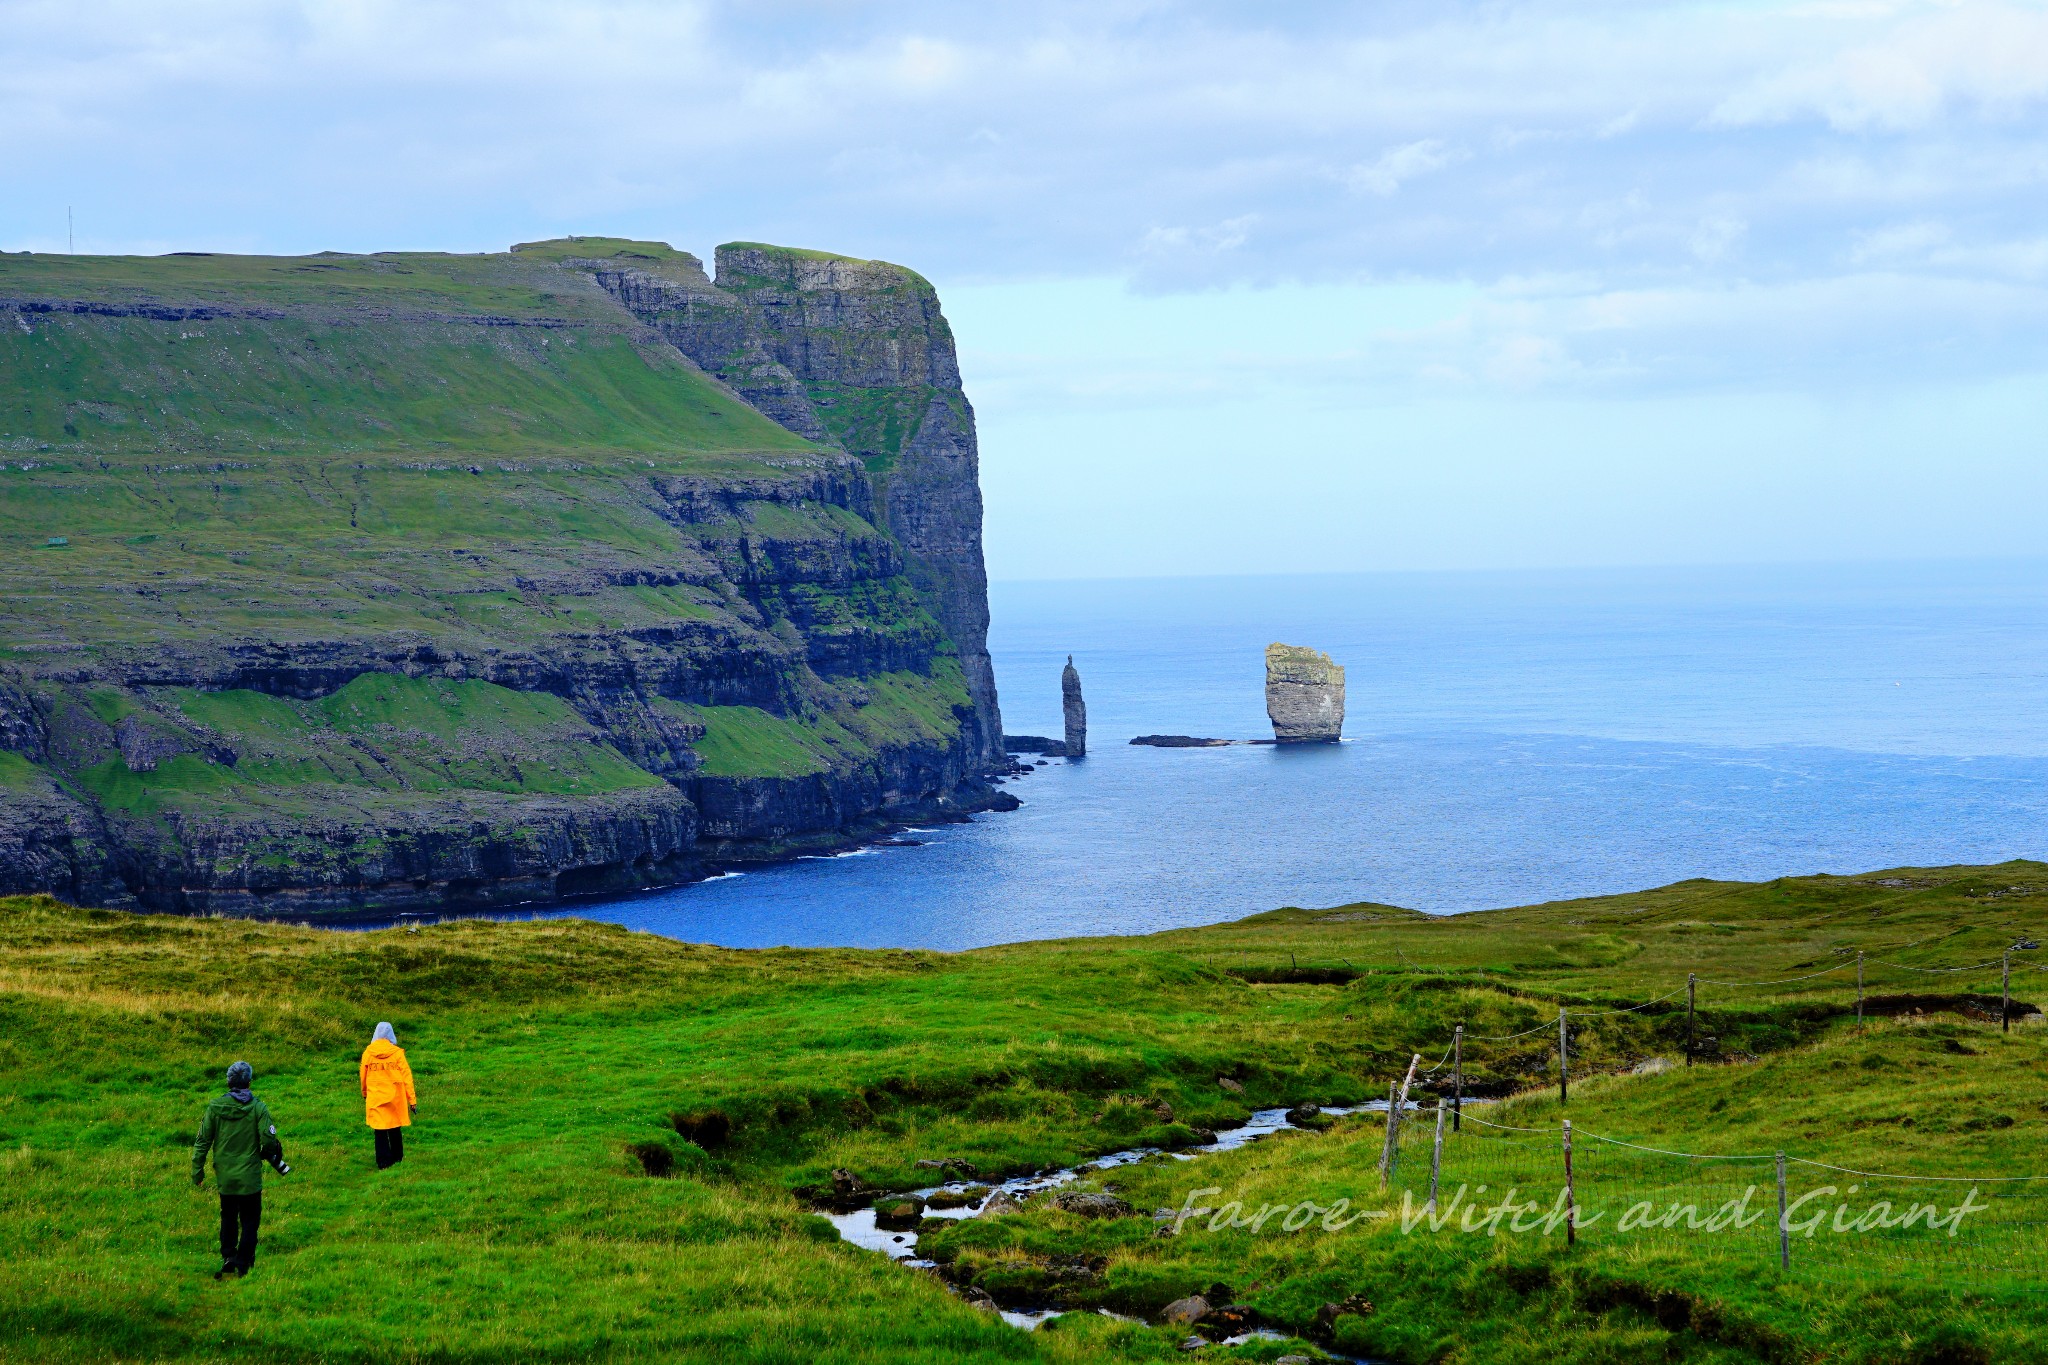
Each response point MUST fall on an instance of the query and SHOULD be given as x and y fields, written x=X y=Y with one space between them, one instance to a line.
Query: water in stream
x=858 y=1227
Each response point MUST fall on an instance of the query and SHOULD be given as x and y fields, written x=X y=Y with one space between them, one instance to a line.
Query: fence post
x=1387 y=1150
x=2005 y=994
x=1692 y=981
x=1784 y=1230
x=1859 y=992
x=1458 y=1079
x=1399 y=1110
x=1571 y=1198
x=1564 y=1064
x=1436 y=1153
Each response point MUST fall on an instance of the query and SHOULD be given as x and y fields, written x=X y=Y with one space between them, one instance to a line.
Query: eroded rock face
x=855 y=354
x=1304 y=695
x=1075 y=709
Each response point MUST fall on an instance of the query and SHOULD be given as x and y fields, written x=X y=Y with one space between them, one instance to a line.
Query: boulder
x=1327 y=1315
x=955 y=1199
x=1228 y=1084
x=1229 y=1320
x=1304 y=695
x=846 y=1193
x=1089 y=1205
x=898 y=1213
x=954 y=1166
x=1000 y=1203
x=1184 y=1312
x=1302 y=1114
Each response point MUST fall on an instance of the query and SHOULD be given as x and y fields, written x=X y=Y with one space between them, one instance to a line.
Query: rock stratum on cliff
x=1304 y=695
x=411 y=581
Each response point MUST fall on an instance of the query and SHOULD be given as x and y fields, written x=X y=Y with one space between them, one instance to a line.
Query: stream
x=859 y=1227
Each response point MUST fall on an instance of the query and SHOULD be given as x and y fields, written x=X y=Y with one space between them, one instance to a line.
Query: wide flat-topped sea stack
x=1304 y=695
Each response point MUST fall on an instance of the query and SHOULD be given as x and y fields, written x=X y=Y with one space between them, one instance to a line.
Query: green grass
x=520 y=1228
x=861 y=721
x=381 y=733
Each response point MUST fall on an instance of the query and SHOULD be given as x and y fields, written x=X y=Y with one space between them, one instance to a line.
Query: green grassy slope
x=521 y=1227
x=398 y=351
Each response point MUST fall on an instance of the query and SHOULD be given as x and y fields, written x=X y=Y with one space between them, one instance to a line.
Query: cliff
x=350 y=583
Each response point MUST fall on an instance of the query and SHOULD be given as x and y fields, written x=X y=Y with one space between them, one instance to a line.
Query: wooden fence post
x=1399 y=1111
x=1571 y=1197
x=1784 y=1228
x=1436 y=1154
x=1458 y=1079
x=1692 y=981
x=1387 y=1149
x=1564 y=1064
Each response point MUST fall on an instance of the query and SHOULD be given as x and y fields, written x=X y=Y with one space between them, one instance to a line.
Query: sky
x=1238 y=288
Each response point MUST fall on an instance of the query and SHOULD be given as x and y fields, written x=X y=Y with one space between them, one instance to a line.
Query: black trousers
x=239 y=1216
x=390 y=1146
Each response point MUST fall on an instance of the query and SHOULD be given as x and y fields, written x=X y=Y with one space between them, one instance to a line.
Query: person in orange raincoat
x=388 y=1099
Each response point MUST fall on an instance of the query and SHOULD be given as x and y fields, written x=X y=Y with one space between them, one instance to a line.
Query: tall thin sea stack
x=1304 y=695
x=1076 y=710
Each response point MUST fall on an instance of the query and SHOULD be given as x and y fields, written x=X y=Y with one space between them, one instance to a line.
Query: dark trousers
x=239 y=1215
x=390 y=1146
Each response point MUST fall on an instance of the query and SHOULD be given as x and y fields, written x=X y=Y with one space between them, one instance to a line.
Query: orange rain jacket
x=388 y=1097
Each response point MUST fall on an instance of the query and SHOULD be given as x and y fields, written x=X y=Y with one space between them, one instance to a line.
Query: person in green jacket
x=239 y=1131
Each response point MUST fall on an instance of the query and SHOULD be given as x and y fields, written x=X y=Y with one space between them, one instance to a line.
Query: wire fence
x=1491 y=1182
x=1481 y=1179
x=1453 y=1052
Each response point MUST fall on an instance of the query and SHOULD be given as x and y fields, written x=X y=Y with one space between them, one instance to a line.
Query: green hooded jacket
x=241 y=1135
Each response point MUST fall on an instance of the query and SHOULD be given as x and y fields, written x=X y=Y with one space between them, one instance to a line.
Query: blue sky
x=1315 y=286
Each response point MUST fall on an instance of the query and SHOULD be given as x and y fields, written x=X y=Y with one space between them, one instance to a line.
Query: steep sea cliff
x=351 y=583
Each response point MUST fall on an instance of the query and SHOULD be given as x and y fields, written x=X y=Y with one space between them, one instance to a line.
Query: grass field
x=523 y=1227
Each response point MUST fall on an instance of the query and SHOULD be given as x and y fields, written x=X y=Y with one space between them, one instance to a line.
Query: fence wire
x=1501 y=1183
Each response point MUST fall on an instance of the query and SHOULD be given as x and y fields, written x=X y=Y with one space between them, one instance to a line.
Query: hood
x=379 y=1049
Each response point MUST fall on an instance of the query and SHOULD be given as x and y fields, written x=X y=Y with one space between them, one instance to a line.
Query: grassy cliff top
x=743 y=265
x=345 y=354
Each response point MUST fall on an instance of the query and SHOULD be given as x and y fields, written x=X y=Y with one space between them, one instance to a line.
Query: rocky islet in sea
x=1304 y=695
x=1074 y=709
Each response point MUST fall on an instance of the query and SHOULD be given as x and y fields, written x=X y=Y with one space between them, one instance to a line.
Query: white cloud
x=1385 y=174
x=1711 y=151
x=1925 y=60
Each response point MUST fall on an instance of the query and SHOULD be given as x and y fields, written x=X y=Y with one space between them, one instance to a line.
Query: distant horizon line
x=1669 y=566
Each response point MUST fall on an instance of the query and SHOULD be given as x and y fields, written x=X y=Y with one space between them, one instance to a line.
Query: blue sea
x=1510 y=738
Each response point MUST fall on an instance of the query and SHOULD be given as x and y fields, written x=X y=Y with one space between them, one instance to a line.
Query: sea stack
x=1077 y=710
x=1304 y=695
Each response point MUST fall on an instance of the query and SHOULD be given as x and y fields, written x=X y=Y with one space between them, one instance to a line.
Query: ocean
x=1510 y=738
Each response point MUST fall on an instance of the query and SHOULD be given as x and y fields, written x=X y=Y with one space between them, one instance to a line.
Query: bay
x=1510 y=738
